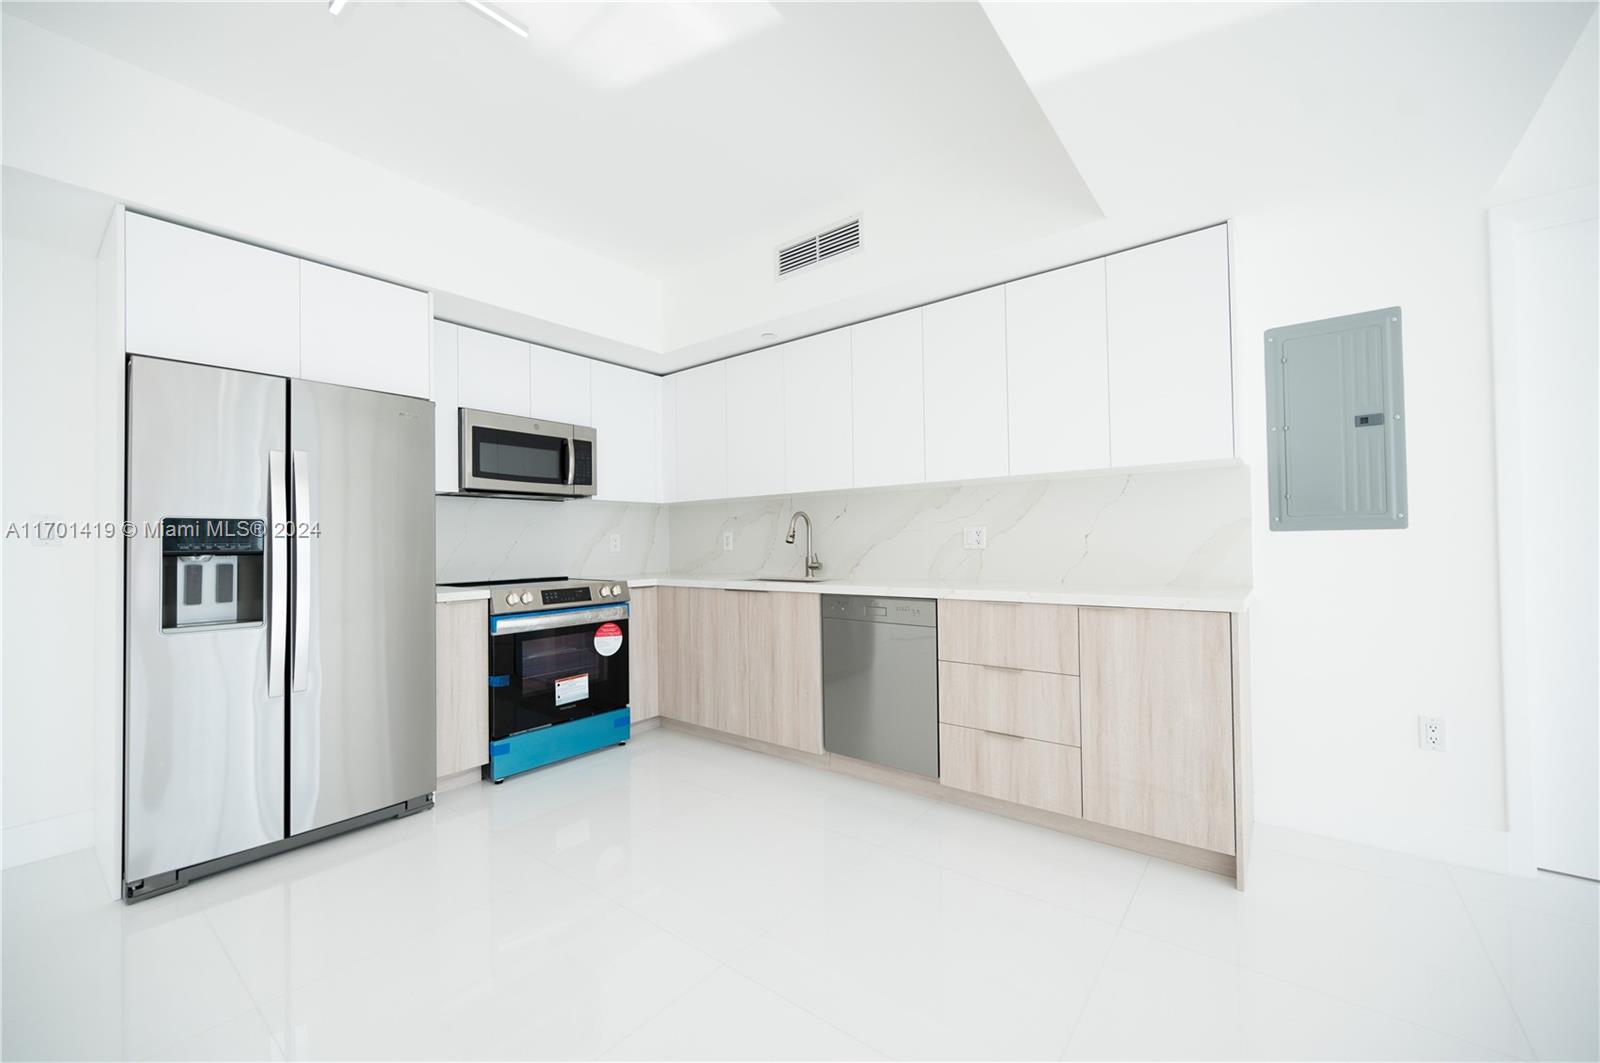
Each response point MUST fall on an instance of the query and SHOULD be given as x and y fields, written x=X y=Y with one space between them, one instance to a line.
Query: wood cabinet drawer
x=1024 y=771
x=1043 y=638
x=1040 y=705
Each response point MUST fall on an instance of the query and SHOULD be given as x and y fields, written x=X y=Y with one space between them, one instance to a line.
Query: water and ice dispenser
x=212 y=572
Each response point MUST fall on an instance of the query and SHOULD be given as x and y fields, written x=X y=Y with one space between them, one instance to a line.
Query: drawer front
x=1039 y=705
x=1021 y=770
x=1043 y=638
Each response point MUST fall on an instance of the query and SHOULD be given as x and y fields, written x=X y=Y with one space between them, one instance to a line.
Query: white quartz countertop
x=1202 y=599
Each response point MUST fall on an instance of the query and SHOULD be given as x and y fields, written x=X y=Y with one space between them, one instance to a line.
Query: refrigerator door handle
x=302 y=572
x=278 y=560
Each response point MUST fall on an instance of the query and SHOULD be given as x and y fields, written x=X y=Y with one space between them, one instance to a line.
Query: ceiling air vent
x=819 y=247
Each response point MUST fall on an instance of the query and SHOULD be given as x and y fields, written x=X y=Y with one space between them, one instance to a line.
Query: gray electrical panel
x=1336 y=442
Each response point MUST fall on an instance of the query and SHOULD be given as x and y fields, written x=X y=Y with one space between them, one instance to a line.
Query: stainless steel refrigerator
x=279 y=628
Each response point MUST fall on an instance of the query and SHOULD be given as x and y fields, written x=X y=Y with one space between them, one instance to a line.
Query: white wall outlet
x=975 y=538
x=616 y=542
x=727 y=540
x=1430 y=733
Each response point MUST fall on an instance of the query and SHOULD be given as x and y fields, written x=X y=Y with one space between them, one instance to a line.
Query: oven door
x=515 y=455
x=552 y=667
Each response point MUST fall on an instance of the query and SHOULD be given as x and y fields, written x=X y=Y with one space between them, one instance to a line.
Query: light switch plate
x=976 y=537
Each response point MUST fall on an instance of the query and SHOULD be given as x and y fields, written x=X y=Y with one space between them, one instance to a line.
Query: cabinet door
x=644 y=654
x=1171 y=364
x=699 y=664
x=560 y=385
x=964 y=386
x=364 y=333
x=816 y=402
x=462 y=678
x=701 y=411
x=1157 y=716
x=755 y=423
x=1058 y=410
x=780 y=673
x=446 y=422
x=492 y=373
x=627 y=425
x=194 y=297
x=886 y=399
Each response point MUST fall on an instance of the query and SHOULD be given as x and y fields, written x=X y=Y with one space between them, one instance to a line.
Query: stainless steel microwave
x=504 y=454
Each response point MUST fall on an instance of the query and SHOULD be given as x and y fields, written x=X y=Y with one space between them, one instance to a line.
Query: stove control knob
x=527 y=597
x=511 y=599
x=605 y=592
x=616 y=589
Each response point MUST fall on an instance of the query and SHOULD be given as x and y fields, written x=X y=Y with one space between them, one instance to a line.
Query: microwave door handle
x=572 y=459
x=278 y=566
x=302 y=573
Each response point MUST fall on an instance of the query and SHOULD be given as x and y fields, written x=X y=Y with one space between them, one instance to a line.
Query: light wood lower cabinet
x=1024 y=771
x=780 y=641
x=1042 y=638
x=1157 y=703
x=644 y=656
x=1012 y=701
x=461 y=653
x=748 y=663
x=696 y=660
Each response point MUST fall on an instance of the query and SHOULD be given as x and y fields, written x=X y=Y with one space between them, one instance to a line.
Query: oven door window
x=546 y=677
x=518 y=456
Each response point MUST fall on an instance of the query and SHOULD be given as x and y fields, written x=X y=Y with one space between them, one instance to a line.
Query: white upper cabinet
x=195 y=297
x=492 y=373
x=1170 y=357
x=1056 y=370
x=700 y=401
x=561 y=386
x=964 y=386
x=817 y=419
x=363 y=333
x=627 y=424
x=886 y=399
x=446 y=431
x=756 y=423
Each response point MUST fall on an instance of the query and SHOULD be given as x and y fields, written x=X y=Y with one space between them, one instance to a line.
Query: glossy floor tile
x=680 y=898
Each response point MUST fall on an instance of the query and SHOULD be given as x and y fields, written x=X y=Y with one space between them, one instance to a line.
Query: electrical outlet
x=1430 y=733
x=616 y=542
x=975 y=538
x=727 y=540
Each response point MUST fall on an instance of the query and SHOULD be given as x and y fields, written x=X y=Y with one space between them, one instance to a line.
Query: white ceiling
x=653 y=134
x=688 y=140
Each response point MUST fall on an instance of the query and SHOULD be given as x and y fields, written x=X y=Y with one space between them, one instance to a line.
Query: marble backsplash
x=512 y=538
x=1172 y=528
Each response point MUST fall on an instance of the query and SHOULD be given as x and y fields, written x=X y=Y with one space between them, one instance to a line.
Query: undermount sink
x=791 y=579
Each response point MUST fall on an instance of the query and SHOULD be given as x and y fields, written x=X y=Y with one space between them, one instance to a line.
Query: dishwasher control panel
x=919 y=612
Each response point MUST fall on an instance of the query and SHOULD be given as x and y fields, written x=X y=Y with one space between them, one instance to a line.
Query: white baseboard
x=29 y=842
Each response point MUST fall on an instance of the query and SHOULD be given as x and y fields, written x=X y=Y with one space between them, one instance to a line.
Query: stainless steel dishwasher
x=880 y=680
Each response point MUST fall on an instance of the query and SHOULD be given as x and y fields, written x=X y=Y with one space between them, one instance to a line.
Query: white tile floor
x=684 y=899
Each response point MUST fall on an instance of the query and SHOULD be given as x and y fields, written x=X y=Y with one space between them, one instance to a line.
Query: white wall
x=84 y=118
x=1561 y=147
x=1355 y=634
x=46 y=692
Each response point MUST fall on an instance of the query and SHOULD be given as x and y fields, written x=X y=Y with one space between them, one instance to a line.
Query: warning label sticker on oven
x=607 y=639
x=573 y=688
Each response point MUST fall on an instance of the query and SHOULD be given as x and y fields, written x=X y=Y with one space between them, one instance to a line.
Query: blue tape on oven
x=499 y=680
